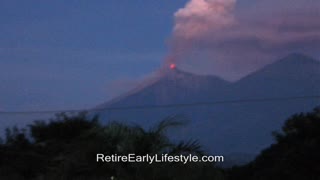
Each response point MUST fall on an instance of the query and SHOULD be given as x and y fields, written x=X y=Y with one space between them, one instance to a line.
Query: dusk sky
x=78 y=54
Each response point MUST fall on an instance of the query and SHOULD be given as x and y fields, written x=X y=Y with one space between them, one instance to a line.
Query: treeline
x=65 y=148
x=294 y=156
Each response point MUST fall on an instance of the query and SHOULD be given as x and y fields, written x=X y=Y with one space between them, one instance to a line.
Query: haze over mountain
x=225 y=128
x=172 y=86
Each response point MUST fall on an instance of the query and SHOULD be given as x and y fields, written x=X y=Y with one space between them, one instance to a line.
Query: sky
x=78 y=53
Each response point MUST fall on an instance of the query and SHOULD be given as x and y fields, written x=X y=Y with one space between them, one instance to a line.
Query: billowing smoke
x=195 y=21
x=199 y=17
x=231 y=38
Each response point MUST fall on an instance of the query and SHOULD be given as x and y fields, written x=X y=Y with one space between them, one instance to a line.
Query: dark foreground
x=66 y=148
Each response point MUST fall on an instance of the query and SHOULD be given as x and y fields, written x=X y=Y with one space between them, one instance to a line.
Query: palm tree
x=67 y=148
x=122 y=139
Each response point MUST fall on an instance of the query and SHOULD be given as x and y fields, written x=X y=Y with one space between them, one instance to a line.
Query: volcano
x=225 y=128
x=174 y=86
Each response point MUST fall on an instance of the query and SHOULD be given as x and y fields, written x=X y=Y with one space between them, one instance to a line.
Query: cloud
x=196 y=20
x=208 y=35
x=199 y=17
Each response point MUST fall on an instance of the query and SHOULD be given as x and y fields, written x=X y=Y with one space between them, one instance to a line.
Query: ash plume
x=230 y=39
x=196 y=20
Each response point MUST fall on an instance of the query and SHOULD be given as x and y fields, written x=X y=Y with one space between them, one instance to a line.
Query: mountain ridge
x=169 y=77
x=227 y=128
x=294 y=59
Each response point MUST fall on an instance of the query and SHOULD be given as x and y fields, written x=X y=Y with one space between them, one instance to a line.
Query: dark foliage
x=66 y=148
x=295 y=155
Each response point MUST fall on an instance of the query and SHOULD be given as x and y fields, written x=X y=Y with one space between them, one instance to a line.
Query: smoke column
x=195 y=21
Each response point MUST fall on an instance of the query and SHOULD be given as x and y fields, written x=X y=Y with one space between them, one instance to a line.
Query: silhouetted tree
x=295 y=155
x=66 y=148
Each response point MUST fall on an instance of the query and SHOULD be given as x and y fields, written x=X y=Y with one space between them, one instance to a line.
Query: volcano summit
x=240 y=126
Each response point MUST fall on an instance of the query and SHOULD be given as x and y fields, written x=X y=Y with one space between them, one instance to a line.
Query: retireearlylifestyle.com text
x=133 y=158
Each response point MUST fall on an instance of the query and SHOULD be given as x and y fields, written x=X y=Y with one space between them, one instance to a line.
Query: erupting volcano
x=173 y=66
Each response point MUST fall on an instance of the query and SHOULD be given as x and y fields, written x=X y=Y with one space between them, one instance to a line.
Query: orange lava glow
x=172 y=66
